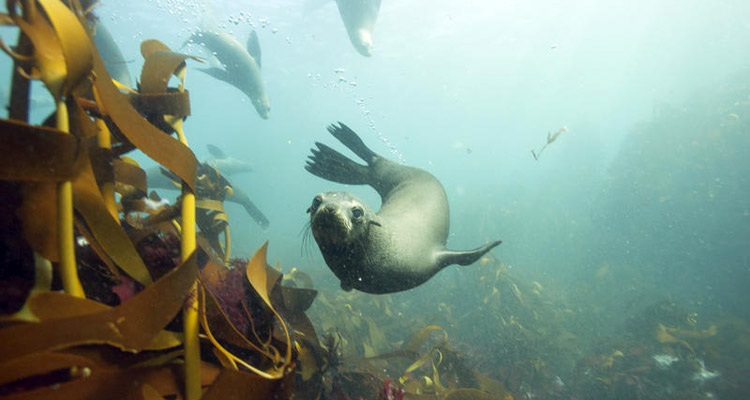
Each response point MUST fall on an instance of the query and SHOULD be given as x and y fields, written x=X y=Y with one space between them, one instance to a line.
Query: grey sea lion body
x=359 y=17
x=241 y=66
x=158 y=180
x=399 y=247
x=108 y=49
x=226 y=164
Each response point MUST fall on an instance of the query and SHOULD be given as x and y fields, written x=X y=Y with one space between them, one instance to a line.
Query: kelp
x=127 y=337
x=120 y=335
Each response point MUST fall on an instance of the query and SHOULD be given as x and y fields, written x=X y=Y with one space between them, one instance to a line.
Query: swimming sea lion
x=241 y=66
x=359 y=18
x=158 y=180
x=117 y=66
x=226 y=164
x=399 y=247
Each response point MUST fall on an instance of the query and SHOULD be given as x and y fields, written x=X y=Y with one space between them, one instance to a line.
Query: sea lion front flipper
x=351 y=140
x=329 y=164
x=253 y=47
x=215 y=151
x=217 y=73
x=241 y=198
x=466 y=257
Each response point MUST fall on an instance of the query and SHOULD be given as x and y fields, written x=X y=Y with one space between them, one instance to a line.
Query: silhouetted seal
x=359 y=17
x=399 y=247
x=240 y=66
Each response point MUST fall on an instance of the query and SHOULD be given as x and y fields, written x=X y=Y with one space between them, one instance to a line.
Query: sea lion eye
x=357 y=213
x=315 y=204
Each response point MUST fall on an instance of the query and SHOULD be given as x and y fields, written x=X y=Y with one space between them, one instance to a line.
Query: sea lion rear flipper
x=466 y=257
x=329 y=164
x=351 y=140
x=253 y=47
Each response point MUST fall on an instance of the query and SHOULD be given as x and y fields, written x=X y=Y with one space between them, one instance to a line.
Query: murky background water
x=637 y=215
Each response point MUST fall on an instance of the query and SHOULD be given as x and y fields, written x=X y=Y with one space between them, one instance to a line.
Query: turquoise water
x=638 y=214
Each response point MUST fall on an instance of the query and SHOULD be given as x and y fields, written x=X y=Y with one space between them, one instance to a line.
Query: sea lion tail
x=351 y=140
x=329 y=164
x=465 y=257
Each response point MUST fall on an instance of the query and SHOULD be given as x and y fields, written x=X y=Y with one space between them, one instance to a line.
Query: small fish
x=551 y=137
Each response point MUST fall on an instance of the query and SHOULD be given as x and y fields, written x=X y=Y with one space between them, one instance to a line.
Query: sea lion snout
x=263 y=106
x=364 y=43
x=338 y=217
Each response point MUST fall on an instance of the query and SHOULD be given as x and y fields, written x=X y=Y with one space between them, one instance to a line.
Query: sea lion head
x=339 y=218
x=262 y=105
x=362 y=41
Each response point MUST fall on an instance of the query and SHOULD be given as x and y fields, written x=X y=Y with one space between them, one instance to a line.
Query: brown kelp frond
x=330 y=343
x=18 y=57
x=86 y=207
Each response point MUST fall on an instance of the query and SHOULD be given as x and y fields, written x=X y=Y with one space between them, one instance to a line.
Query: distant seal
x=227 y=165
x=399 y=247
x=359 y=17
x=241 y=66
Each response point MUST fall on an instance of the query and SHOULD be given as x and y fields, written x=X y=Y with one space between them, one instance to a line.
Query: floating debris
x=664 y=361
x=704 y=374
x=551 y=137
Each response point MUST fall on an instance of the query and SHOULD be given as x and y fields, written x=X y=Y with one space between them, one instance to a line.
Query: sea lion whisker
x=306 y=249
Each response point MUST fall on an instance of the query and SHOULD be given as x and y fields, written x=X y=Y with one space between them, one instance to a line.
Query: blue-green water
x=643 y=203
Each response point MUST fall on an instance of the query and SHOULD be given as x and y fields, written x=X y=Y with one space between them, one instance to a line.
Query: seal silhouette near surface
x=240 y=66
x=399 y=247
x=359 y=17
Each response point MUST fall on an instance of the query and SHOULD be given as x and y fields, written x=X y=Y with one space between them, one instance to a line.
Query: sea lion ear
x=376 y=221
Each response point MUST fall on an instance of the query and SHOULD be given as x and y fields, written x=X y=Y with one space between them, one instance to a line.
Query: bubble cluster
x=187 y=11
x=341 y=83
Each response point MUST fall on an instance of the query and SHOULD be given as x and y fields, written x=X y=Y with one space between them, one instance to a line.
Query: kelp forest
x=116 y=298
x=108 y=292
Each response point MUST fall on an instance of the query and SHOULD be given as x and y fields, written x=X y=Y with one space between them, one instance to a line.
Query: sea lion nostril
x=330 y=207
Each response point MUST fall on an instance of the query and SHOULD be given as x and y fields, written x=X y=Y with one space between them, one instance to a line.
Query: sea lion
x=226 y=164
x=241 y=67
x=114 y=61
x=159 y=180
x=359 y=17
x=399 y=247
